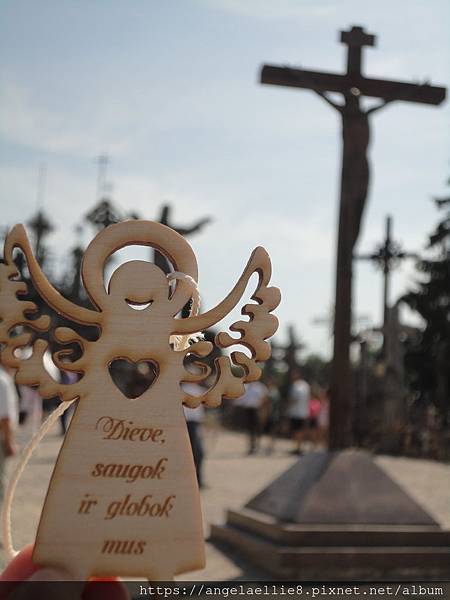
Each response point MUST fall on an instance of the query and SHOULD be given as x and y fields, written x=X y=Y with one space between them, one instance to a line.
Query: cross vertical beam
x=388 y=253
x=355 y=39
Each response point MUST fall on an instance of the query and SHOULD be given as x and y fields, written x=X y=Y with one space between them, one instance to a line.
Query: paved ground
x=232 y=478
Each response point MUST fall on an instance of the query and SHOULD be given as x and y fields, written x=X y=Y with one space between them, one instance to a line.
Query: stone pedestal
x=337 y=516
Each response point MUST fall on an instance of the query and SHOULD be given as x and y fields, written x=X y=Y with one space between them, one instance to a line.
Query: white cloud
x=273 y=9
x=125 y=126
x=25 y=122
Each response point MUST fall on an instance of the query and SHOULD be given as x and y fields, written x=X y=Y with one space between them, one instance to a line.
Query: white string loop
x=20 y=467
x=180 y=342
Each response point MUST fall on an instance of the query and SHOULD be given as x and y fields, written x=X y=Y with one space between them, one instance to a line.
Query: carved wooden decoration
x=123 y=498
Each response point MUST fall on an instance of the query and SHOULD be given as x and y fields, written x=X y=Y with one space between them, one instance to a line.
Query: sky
x=169 y=91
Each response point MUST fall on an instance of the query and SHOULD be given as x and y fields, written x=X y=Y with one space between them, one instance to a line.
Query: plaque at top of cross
x=353 y=189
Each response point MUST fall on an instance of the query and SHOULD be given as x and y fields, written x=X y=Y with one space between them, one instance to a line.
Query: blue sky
x=169 y=90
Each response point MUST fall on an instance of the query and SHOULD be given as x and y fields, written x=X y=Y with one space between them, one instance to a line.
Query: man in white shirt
x=8 y=420
x=298 y=409
x=250 y=403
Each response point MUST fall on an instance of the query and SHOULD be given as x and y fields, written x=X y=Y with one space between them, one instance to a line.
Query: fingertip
x=21 y=567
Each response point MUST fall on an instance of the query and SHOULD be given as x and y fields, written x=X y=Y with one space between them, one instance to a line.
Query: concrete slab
x=339 y=488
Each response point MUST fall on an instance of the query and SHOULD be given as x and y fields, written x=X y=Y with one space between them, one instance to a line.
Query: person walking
x=274 y=418
x=251 y=404
x=298 y=409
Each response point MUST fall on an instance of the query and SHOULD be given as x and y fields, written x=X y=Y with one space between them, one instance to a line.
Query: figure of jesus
x=355 y=162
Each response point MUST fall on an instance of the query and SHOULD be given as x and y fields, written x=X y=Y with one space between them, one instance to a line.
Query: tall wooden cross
x=387 y=256
x=353 y=191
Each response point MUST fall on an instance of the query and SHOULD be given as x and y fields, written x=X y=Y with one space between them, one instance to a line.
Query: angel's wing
x=17 y=238
x=19 y=325
x=259 y=262
x=16 y=313
x=253 y=332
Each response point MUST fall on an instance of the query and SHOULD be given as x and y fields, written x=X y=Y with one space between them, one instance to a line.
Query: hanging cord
x=20 y=467
x=180 y=342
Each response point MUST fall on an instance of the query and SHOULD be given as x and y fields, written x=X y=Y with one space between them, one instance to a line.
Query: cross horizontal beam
x=377 y=256
x=332 y=82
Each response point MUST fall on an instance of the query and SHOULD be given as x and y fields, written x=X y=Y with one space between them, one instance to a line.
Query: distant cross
x=354 y=187
x=103 y=215
x=40 y=227
x=292 y=349
x=164 y=219
x=75 y=283
x=387 y=256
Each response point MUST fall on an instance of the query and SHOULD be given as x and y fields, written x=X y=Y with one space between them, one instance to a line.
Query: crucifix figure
x=164 y=219
x=387 y=256
x=353 y=191
x=355 y=163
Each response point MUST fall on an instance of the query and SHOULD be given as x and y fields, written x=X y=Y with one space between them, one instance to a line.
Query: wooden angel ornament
x=123 y=498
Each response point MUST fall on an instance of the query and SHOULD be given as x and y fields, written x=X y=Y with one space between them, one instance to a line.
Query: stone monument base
x=337 y=516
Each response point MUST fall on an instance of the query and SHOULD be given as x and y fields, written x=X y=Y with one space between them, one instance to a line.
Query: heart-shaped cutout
x=133 y=378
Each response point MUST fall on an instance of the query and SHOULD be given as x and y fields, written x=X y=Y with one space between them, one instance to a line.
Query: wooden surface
x=123 y=498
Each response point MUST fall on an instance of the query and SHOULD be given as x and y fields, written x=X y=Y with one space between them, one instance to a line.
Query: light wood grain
x=123 y=498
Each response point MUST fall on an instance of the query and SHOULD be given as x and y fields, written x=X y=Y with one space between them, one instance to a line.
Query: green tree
x=428 y=360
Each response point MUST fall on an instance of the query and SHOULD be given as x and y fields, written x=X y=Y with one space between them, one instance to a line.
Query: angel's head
x=137 y=283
